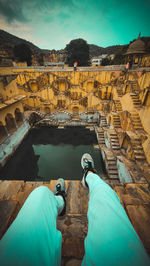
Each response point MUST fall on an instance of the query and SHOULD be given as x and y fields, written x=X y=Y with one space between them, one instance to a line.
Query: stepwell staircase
x=103 y=121
x=137 y=149
x=100 y=136
x=136 y=101
x=111 y=165
x=134 y=86
x=118 y=105
x=116 y=120
x=114 y=140
x=119 y=91
x=136 y=121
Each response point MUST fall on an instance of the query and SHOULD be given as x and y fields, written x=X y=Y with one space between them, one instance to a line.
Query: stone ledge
x=8 y=212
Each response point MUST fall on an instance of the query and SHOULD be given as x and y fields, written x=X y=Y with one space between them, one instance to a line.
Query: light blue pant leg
x=111 y=238
x=33 y=238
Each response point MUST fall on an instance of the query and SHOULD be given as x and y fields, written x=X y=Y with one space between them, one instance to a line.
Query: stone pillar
x=22 y=116
x=14 y=122
x=6 y=131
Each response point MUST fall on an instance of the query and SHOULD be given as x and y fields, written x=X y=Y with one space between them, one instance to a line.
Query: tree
x=23 y=53
x=105 y=61
x=77 y=50
x=40 y=59
x=119 y=56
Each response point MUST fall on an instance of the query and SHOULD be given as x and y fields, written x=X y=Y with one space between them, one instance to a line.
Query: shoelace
x=58 y=187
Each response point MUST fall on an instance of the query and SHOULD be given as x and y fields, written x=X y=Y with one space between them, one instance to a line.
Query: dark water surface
x=48 y=153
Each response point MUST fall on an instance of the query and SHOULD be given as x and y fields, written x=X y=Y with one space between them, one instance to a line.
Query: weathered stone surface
x=13 y=189
x=74 y=224
x=138 y=191
x=133 y=194
x=22 y=195
x=8 y=212
x=140 y=217
x=73 y=262
x=121 y=192
x=112 y=183
x=74 y=230
x=3 y=188
x=77 y=198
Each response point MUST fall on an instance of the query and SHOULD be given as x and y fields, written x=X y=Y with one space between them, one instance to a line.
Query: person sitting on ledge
x=33 y=238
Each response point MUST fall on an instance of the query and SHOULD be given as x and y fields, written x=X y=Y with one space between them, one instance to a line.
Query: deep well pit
x=50 y=152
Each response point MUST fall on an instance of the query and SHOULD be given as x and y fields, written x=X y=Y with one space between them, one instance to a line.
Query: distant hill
x=97 y=50
x=8 y=41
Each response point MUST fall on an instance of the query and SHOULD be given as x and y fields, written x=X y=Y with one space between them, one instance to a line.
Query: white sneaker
x=87 y=164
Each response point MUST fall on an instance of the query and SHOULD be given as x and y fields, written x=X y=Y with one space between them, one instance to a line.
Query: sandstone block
x=140 y=217
x=77 y=198
x=74 y=230
x=8 y=212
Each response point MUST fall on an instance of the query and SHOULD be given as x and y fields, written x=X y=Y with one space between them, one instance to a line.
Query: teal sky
x=51 y=24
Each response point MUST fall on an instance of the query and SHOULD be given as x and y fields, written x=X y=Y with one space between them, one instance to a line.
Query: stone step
x=114 y=140
x=115 y=176
x=113 y=171
x=110 y=168
x=101 y=140
x=139 y=152
x=115 y=145
x=112 y=162
x=137 y=124
x=136 y=141
x=136 y=120
x=136 y=101
x=139 y=157
x=135 y=147
x=138 y=144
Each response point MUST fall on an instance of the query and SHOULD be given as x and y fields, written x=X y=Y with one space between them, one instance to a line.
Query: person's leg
x=33 y=238
x=111 y=238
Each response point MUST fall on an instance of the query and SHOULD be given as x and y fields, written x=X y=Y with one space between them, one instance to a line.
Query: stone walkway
x=135 y=198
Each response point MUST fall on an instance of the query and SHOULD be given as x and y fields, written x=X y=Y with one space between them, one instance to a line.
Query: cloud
x=15 y=26
x=12 y=10
x=53 y=23
x=25 y=10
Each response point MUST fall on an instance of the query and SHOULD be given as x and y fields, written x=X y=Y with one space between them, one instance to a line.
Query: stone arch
x=127 y=147
x=47 y=109
x=62 y=84
x=75 y=109
x=10 y=122
x=33 y=85
x=125 y=143
x=3 y=132
x=18 y=116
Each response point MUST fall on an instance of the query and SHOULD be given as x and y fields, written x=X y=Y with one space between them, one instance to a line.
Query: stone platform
x=135 y=198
